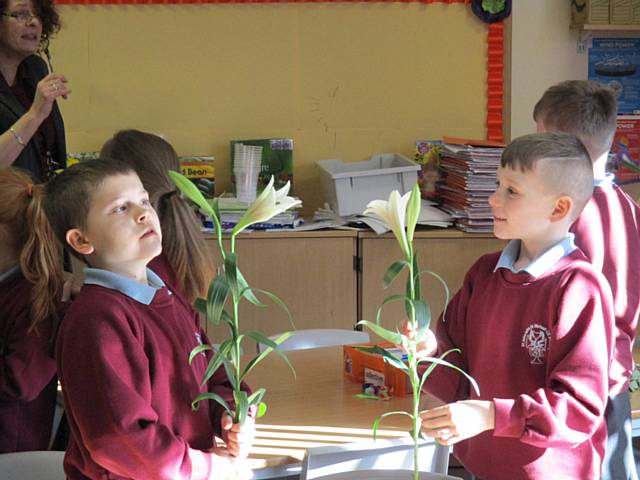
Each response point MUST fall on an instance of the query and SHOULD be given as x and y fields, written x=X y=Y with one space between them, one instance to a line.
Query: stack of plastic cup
x=247 y=163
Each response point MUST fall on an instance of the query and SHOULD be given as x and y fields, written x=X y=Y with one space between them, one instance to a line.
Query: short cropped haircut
x=562 y=159
x=69 y=194
x=584 y=108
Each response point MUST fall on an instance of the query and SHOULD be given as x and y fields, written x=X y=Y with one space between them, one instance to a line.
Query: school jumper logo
x=536 y=341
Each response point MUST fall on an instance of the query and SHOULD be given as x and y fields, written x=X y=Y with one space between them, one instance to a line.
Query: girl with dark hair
x=32 y=130
x=184 y=263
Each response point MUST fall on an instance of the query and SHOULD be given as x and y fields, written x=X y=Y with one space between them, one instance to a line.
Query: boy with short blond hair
x=123 y=345
x=608 y=232
x=534 y=324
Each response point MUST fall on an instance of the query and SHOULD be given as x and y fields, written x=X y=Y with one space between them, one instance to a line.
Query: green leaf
x=200 y=305
x=216 y=299
x=211 y=396
x=440 y=361
x=248 y=293
x=187 y=187
x=231 y=273
x=388 y=335
x=256 y=397
x=199 y=349
x=266 y=352
x=262 y=409
x=231 y=374
x=393 y=271
x=388 y=414
x=278 y=302
x=389 y=299
x=242 y=405
x=217 y=360
x=413 y=211
x=386 y=355
x=367 y=396
x=423 y=317
x=447 y=292
x=417 y=288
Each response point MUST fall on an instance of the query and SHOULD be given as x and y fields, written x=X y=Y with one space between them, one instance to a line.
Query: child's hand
x=428 y=346
x=458 y=421
x=239 y=438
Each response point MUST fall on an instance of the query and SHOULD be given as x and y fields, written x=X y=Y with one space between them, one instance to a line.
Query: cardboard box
x=590 y=11
x=626 y=149
x=370 y=370
x=201 y=171
x=624 y=12
x=277 y=161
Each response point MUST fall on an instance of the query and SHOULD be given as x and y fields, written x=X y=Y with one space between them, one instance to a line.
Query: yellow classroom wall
x=343 y=80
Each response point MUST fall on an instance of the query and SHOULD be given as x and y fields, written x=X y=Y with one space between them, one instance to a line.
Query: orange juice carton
x=376 y=376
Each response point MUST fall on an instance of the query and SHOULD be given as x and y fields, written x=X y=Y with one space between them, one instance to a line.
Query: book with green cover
x=277 y=160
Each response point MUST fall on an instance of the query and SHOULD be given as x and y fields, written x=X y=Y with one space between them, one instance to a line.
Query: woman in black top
x=31 y=127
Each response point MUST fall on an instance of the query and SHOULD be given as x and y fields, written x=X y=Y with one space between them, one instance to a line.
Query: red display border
x=495 y=46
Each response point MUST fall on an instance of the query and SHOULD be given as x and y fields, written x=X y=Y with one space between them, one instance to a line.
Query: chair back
x=41 y=465
x=393 y=454
x=319 y=337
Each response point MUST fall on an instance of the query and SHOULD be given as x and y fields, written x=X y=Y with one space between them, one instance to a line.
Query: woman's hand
x=48 y=90
x=239 y=438
x=458 y=421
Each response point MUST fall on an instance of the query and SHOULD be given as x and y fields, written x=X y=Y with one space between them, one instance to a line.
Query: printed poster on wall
x=616 y=62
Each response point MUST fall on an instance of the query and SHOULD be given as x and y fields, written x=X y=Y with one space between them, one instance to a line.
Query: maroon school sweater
x=540 y=350
x=128 y=388
x=608 y=232
x=27 y=372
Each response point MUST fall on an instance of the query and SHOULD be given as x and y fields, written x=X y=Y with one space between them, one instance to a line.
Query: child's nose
x=493 y=199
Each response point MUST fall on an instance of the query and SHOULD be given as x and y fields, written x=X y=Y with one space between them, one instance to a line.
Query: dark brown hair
x=563 y=160
x=583 y=108
x=69 y=194
x=182 y=240
x=40 y=254
x=48 y=15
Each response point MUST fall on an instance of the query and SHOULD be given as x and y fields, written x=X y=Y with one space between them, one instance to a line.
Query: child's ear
x=79 y=242
x=562 y=208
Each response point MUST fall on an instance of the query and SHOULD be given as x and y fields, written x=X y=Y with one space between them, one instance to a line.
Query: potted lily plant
x=401 y=214
x=227 y=290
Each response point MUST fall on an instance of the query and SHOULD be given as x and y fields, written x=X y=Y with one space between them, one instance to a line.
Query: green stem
x=235 y=335
x=413 y=367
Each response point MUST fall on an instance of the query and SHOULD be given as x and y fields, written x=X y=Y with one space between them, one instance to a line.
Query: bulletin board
x=343 y=79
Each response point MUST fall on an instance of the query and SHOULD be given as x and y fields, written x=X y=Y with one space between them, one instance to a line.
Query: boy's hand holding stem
x=453 y=422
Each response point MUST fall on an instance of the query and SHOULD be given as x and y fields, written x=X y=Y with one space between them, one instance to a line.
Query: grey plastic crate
x=349 y=187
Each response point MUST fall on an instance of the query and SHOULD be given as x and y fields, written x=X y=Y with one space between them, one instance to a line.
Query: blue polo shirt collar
x=9 y=273
x=138 y=291
x=605 y=181
x=541 y=264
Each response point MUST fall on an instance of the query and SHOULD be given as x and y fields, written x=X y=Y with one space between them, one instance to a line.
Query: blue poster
x=616 y=62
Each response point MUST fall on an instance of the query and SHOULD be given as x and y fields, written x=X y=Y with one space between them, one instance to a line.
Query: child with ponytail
x=185 y=263
x=31 y=285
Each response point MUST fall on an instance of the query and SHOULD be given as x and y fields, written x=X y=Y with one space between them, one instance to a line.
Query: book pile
x=232 y=210
x=470 y=168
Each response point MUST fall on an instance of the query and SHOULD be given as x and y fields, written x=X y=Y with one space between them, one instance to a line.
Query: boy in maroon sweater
x=608 y=233
x=123 y=345
x=534 y=324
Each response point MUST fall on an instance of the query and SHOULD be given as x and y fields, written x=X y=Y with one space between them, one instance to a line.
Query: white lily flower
x=392 y=212
x=269 y=203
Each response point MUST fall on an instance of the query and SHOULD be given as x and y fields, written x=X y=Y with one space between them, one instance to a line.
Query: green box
x=277 y=160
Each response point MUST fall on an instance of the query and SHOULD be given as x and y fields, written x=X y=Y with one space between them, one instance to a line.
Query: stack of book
x=470 y=168
x=232 y=210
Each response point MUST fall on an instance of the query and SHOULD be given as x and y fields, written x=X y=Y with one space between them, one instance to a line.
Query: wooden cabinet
x=449 y=253
x=315 y=274
x=311 y=272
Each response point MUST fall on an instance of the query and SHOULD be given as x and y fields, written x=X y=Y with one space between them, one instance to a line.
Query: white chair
x=319 y=337
x=385 y=458
x=41 y=465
